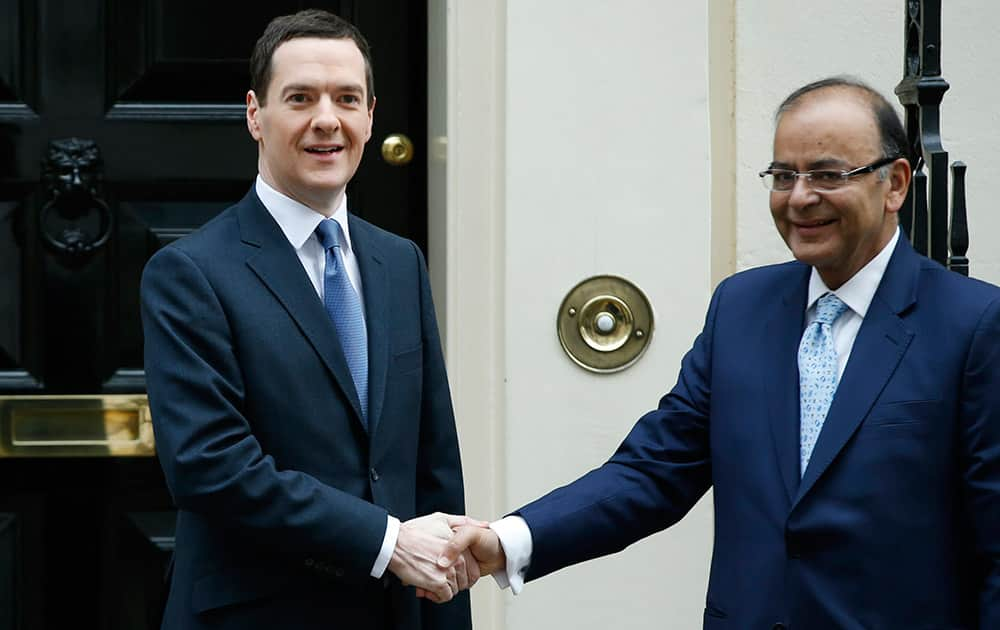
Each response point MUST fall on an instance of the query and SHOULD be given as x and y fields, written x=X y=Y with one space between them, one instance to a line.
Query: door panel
x=153 y=92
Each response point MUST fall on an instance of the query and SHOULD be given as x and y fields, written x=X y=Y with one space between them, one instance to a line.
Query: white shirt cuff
x=388 y=546
x=515 y=538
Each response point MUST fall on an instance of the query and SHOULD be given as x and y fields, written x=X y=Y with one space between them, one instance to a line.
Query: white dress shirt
x=857 y=293
x=298 y=222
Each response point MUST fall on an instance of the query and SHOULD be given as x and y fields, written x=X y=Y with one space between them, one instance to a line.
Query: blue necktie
x=818 y=374
x=344 y=308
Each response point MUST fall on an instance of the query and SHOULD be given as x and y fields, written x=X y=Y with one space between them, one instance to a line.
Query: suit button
x=309 y=562
x=374 y=474
x=794 y=549
x=338 y=572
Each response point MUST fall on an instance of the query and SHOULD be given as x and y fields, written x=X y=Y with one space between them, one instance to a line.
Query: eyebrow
x=296 y=87
x=351 y=87
x=308 y=87
x=823 y=163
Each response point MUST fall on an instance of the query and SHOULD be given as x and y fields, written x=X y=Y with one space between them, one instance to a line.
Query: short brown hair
x=308 y=23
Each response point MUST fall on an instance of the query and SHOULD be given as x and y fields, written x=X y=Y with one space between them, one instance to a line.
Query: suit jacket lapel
x=779 y=348
x=376 y=290
x=881 y=342
x=278 y=267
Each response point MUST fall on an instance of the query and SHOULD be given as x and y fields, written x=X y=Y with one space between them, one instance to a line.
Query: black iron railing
x=924 y=216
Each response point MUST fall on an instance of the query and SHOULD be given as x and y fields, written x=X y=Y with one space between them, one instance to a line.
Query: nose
x=326 y=119
x=802 y=194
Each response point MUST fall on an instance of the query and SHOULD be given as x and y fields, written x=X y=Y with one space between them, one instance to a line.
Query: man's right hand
x=484 y=545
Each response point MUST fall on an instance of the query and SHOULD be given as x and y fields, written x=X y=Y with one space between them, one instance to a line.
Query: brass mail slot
x=76 y=426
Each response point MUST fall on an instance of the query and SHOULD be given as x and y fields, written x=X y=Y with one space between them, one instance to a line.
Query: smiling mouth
x=325 y=150
x=814 y=224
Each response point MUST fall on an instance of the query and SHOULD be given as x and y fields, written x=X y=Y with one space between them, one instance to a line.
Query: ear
x=253 y=113
x=899 y=183
x=371 y=119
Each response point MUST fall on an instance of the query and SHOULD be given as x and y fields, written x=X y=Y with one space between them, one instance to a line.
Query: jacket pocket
x=908 y=416
x=711 y=610
x=714 y=619
x=235 y=586
x=408 y=360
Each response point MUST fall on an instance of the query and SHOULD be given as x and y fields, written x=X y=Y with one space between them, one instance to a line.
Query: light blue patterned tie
x=344 y=307
x=818 y=374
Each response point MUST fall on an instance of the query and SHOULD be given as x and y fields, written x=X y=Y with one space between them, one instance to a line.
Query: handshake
x=442 y=555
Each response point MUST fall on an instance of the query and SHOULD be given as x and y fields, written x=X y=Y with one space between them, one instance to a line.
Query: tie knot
x=829 y=308
x=329 y=233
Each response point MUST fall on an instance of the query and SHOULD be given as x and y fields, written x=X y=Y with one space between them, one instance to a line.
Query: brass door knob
x=397 y=149
x=605 y=324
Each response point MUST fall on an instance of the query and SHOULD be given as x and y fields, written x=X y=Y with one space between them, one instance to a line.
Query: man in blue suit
x=296 y=379
x=845 y=408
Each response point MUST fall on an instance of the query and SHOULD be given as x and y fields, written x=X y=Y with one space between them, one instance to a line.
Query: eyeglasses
x=783 y=180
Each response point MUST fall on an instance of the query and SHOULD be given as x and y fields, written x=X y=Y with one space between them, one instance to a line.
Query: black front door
x=121 y=129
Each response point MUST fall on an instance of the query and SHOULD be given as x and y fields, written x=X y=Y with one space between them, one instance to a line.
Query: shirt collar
x=298 y=221
x=858 y=292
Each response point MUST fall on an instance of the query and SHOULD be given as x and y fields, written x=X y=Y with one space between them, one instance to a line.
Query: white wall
x=607 y=139
x=971 y=120
x=466 y=210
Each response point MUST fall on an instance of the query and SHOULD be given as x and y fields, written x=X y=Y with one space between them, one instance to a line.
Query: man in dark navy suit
x=296 y=379
x=844 y=407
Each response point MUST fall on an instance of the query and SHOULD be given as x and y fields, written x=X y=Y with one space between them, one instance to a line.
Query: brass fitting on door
x=109 y=425
x=605 y=323
x=397 y=149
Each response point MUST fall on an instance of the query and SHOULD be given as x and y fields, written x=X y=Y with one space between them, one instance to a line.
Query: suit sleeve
x=439 y=466
x=212 y=462
x=657 y=474
x=980 y=436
